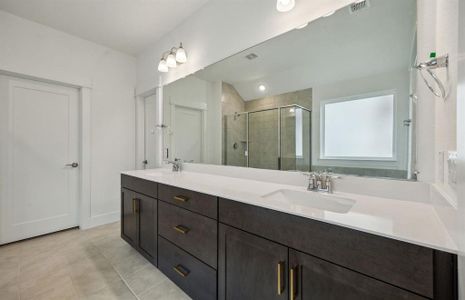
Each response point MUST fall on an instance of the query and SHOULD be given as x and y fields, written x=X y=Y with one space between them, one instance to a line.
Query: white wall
x=397 y=81
x=40 y=52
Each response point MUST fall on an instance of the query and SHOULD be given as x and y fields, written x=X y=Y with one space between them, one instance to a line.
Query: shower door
x=295 y=138
x=263 y=137
x=235 y=140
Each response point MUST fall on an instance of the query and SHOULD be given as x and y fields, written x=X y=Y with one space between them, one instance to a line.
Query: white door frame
x=194 y=106
x=140 y=127
x=84 y=87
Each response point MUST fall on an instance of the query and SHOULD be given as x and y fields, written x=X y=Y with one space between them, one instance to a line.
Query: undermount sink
x=321 y=201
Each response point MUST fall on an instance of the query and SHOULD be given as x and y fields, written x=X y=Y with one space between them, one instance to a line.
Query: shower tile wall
x=234 y=127
x=263 y=139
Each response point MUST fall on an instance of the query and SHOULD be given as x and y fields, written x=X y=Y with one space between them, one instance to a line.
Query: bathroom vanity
x=218 y=241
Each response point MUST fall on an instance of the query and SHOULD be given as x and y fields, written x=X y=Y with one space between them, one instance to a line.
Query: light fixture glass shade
x=285 y=5
x=162 y=66
x=181 y=55
x=171 y=60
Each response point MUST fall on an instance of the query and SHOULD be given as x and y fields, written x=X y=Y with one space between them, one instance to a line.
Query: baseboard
x=101 y=219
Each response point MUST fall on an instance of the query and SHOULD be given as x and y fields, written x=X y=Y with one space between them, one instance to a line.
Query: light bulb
x=262 y=87
x=162 y=66
x=181 y=56
x=285 y=5
x=171 y=60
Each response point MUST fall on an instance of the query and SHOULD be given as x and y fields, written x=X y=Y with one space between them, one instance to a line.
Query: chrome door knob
x=73 y=165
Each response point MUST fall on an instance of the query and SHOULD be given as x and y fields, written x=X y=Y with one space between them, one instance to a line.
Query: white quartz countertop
x=409 y=221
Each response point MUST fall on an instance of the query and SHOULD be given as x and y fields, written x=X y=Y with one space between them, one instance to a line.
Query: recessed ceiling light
x=262 y=88
x=285 y=5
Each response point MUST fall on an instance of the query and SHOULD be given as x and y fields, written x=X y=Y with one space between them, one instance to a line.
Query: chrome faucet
x=320 y=181
x=177 y=164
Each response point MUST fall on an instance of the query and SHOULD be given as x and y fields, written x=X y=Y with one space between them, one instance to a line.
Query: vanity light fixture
x=181 y=56
x=285 y=5
x=162 y=66
x=171 y=58
x=262 y=87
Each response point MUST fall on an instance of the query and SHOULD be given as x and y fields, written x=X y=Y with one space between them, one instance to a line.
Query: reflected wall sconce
x=171 y=58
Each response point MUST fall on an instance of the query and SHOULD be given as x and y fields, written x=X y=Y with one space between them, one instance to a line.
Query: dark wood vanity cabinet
x=139 y=220
x=313 y=278
x=217 y=248
x=334 y=262
x=251 y=267
x=128 y=217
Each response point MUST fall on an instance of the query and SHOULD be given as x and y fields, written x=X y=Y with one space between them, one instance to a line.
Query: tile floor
x=81 y=264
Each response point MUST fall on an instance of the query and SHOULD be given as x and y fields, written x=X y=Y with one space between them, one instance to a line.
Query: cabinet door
x=251 y=267
x=129 y=230
x=313 y=278
x=147 y=208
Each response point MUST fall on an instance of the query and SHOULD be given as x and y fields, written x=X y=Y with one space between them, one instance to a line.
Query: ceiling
x=340 y=47
x=126 y=25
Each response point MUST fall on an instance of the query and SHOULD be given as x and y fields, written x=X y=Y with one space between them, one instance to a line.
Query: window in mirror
x=360 y=128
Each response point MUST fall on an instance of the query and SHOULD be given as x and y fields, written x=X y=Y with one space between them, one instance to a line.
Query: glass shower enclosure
x=277 y=139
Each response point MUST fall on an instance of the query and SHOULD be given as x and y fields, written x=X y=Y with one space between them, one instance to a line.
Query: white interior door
x=150 y=127
x=188 y=134
x=41 y=194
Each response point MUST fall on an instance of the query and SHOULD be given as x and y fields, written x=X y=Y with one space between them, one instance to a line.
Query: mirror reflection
x=334 y=95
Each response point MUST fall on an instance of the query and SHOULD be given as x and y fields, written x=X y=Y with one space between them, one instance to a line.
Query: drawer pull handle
x=135 y=209
x=181 y=198
x=292 y=283
x=181 y=228
x=280 y=279
x=181 y=270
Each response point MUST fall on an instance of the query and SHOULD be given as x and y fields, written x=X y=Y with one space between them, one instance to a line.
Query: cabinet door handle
x=135 y=208
x=292 y=282
x=280 y=270
x=181 y=228
x=181 y=270
x=181 y=198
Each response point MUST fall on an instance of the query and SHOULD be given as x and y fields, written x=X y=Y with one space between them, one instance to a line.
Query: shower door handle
x=279 y=163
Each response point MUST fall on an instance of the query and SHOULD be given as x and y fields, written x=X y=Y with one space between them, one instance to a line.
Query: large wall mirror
x=334 y=95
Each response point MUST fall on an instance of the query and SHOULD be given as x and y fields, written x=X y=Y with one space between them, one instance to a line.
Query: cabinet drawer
x=201 y=203
x=192 y=232
x=196 y=278
x=139 y=185
x=401 y=264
